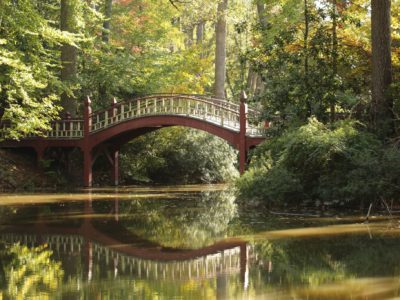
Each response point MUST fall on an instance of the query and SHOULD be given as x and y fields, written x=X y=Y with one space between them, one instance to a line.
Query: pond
x=188 y=242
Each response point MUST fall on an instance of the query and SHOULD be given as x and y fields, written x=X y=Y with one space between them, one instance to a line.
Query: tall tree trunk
x=220 y=50
x=251 y=81
x=200 y=32
x=106 y=40
x=381 y=67
x=107 y=21
x=68 y=54
x=261 y=15
x=306 y=55
x=189 y=36
x=334 y=59
x=254 y=78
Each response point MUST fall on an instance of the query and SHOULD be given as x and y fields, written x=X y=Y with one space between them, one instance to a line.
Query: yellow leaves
x=32 y=272
x=293 y=48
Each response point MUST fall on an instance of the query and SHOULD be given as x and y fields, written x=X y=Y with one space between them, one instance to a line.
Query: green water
x=188 y=242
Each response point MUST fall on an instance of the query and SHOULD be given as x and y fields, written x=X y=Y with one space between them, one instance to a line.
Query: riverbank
x=20 y=172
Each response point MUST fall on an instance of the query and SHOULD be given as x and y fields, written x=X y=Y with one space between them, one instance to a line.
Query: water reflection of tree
x=57 y=212
x=28 y=272
x=313 y=262
x=191 y=220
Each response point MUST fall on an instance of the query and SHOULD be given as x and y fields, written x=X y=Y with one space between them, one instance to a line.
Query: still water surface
x=188 y=242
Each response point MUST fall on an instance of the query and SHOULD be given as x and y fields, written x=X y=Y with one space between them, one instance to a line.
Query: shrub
x=333 y=164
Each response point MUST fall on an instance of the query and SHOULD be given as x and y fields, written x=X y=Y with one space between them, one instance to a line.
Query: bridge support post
x=244 y=266
x=242 y=133
x=86 y=148
x=115 y=167
x=115 y=152
x=87 y=168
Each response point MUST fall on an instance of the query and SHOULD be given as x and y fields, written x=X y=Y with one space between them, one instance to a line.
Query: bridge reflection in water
x=228 y=261
x=131 y=255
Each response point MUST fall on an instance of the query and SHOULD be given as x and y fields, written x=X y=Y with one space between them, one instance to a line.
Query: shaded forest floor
x=20 y=172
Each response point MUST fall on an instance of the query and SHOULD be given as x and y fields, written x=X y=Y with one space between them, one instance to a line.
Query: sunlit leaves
x=30 y=272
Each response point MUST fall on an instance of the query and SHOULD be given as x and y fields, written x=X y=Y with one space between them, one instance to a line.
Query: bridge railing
x=69 y=128
x=214 y=112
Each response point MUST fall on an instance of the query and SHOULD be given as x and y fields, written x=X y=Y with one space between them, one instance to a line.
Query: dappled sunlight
x=109 y=194
x=8 y=199
x=380 y=228
x=354 y=289
x=169 y=188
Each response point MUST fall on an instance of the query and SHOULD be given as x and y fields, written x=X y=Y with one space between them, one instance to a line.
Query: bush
x=332 y=164
x=178 y=155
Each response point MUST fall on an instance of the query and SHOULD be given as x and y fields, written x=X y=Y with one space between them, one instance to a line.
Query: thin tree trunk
x=261 y=15
x=306 y=67
x=107 y=21
x=189 y=36
x=68 y=55
x=220 y=50
x=250 y=81
x=200 y=32
x=106 y=40
x=254 y=79
x=381 y=67
x=334 y=58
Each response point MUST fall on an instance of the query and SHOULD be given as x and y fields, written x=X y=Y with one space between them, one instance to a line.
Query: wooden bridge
x=103 y=132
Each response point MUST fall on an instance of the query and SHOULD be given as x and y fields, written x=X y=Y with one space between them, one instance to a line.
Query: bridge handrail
x=207 y=97
x=222 y=102
x=154 y=105
x=71 y=128
x=177 y=96
x=252 y=112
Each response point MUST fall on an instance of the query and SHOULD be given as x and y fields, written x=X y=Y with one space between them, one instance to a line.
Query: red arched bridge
x=105 y=131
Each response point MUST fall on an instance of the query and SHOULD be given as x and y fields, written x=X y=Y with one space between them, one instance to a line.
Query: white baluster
x=122 y=112
x=57 y=129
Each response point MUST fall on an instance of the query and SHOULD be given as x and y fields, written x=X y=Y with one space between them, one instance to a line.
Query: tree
x=220 y=50
x=29 y=66
x=381 y=67
x=68 y=23
x=107 y=21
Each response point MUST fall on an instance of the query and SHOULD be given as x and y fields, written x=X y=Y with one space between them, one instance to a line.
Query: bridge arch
x=130 y=129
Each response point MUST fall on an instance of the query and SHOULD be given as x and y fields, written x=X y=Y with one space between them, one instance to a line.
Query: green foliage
x=306 y=76
x=29 y=86
x=337 y=164
x=178 y=155
x=29 y=272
